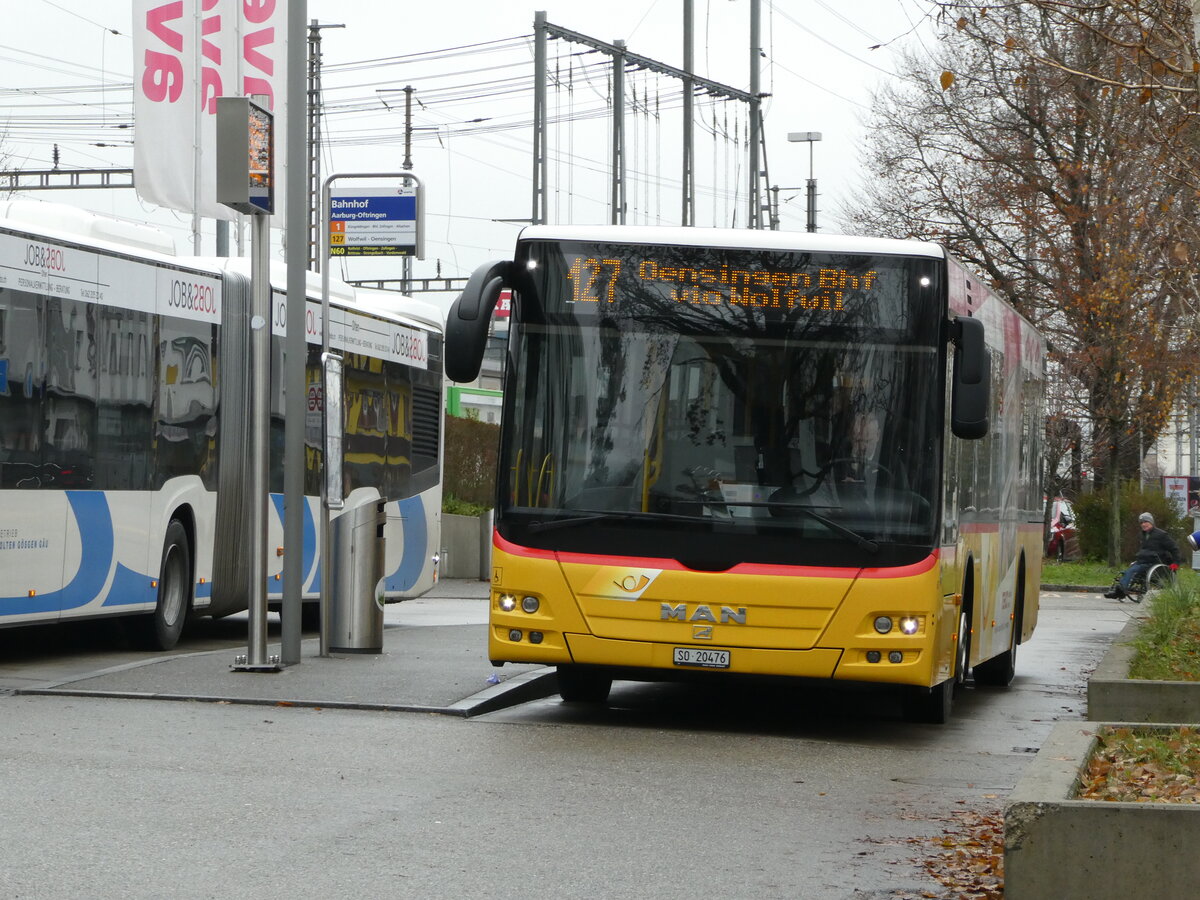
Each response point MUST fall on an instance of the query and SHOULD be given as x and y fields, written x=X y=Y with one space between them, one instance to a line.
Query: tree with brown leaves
x=1066 y=191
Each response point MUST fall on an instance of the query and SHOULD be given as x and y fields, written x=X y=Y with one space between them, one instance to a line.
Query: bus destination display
x=595 y=280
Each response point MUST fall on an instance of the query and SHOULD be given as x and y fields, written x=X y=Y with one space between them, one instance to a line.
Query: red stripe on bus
x=917 y=568
x=516 y=550
x=668 y=565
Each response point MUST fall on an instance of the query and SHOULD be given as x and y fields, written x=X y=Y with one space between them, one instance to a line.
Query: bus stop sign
x=377 y=222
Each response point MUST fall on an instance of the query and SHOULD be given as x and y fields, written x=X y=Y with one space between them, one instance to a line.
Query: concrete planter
x=1115 y=697
x=1057 y=847
x=466 y=549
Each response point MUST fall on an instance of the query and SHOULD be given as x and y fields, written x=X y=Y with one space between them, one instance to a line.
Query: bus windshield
x=719 y=406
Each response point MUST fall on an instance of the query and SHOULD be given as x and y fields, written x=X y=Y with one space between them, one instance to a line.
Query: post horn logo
x=631 y=584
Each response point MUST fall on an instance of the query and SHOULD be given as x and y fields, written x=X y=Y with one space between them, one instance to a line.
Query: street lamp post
x=809 y=137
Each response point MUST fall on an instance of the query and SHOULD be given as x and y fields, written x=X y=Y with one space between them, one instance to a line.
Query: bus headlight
x=910 y=625
x=530 y=604
x=508 y=602
x=883 y=624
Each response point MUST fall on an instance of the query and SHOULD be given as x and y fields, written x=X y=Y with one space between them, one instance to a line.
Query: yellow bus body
x=799 y=622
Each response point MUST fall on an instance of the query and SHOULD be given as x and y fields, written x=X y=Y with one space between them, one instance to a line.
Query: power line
x=72 y=12
x=827 y=42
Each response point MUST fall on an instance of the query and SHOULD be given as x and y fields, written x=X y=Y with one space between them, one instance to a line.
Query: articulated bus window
x=69 y=408
x=186 y=399
x=393 y=422
x=125 y=399
x=21 y=401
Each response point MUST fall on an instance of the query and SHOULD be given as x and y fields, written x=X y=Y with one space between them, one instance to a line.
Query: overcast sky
x=457 y=55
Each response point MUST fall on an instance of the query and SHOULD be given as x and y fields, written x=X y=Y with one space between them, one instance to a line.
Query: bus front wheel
x=163 y=627
x=933 y=705
x=577 y=684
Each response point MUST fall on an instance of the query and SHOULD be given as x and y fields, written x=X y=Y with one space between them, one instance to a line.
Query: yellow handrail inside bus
x=516 y=480
x=546 y=475
x=651 y=468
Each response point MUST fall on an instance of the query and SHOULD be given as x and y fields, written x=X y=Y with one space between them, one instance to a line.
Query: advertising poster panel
x=186 y=54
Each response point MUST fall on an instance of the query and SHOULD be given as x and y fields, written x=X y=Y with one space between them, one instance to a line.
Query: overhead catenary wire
x=455 y=81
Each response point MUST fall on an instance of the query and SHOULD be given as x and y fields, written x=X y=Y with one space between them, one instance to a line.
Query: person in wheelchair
x=1157 y=547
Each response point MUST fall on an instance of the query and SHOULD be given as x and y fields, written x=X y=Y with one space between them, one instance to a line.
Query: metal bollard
x=356 y=611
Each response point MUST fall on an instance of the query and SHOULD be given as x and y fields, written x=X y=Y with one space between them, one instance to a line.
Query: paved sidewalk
x=434 y=659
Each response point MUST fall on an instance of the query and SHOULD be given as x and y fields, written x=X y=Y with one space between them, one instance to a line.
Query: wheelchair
x=1158 y=576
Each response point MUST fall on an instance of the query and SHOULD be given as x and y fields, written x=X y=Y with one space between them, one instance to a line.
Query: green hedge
x=1091 y=512
x=469 y=468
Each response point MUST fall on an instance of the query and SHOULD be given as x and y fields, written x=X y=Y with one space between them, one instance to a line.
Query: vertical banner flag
x=186 y=54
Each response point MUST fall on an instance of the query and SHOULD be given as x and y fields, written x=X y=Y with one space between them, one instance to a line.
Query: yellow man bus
x=723 y=452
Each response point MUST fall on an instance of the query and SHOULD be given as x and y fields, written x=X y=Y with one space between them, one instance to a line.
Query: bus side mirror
x=971 y=392
x=467 y=323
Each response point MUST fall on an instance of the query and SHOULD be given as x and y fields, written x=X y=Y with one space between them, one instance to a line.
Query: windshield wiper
x=572 y=521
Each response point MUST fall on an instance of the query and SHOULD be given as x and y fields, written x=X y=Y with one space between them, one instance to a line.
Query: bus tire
x=163 y=628
x=933 y=705
x=577 y=684
x=999 y=671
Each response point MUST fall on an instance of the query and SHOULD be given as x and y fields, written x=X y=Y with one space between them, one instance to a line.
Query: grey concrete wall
x=1115 y=697
x=460 y=547
x=466 y=547
x=1057 y=848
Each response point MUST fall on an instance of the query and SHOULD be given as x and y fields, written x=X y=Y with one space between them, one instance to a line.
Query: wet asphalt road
x=671 y=791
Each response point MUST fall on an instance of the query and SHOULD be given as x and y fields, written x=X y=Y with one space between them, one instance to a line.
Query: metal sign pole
x=327 y=502
x=260 y=384
x=246 y=182
x=331 y=405
x=295 y=345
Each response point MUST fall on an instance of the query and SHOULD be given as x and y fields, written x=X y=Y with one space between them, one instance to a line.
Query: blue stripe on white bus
x=93 y=518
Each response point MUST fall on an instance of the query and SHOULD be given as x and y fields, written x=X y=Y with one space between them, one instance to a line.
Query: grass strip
x=1167 y=647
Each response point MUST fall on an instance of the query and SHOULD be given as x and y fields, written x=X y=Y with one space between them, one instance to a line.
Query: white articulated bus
x=123 y=425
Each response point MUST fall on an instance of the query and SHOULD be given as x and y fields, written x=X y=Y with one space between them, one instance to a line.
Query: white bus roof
x=738 y=238
x=58 y=220
x=401 y=306
x=389 y=304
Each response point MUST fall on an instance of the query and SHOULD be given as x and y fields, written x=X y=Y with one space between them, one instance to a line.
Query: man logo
x=702 y=613
x=632 y=584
